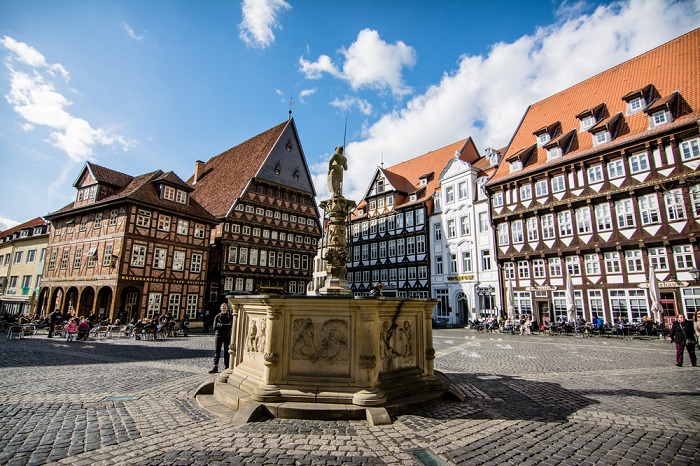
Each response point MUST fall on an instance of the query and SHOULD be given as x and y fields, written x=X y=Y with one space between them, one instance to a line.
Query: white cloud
x=260 y=17
x=6 y=223
x=306 y=93
x=34 y=97
x=349 y=102
x=131 y=32
x=486 y=95
x=370 y=62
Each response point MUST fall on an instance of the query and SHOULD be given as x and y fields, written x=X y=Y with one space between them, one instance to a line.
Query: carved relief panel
x=396 y=344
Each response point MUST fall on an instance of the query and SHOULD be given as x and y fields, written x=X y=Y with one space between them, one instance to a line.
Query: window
x=541 y=188
x=372 y=205
x=616 y=169
x=587 y=122
x=143 y=218
x=296 y=261
x=547 y=223
x=400 y=247
x=183 y=227
x=420 y=244
x=451 y=230
x=649 y=209
x=683 y=256
x=192 y=300
x=26 y=281
x=154 y=300
x=98 y=221
x=601 y=137
x=565 y=225
x=517 y=231
x=612 y=262
x=503 y=238
x=595 y=303
x=555 y=267
x=420 y=217
x=13 y=281
x=538 y=270
x=630 y=304
x=64 y=258
x=573 y=266
x=399 y=221
x=409 y=218
x=509 y=270
x=18 y=256
x=690 y=149
x=304 y=262
x=52 y=259
x=196 y=263
x=603 y=217
x=198 y=230
x=526 y=192
x=675 y=208
x=464 y=223
x=437 y=232
x=498 y=199
x=466 y=261
x=462 y=189
x=485 y=259
x=543 y=139
x=523 y=303
x=174 y=305
x=691 y=300
x=484 y=221
x=402 y=275
x=639 y=163
x=658 y=259
x=583 y=220
x=240 y=284
x=164 y=222
x=411 y=273
x=372 y=227
x=554 y=153
x=411 y=245
x=634 y=261
x=138 y=255
x=107 y=259
x=443 y=306
x=634 y=105
x=159 y=258
x=533 y=234
x=169 y=193
x=592 y=263
x=113 y=215
x=453 y=263
x=256 y=232
x=390 y=200
x=449 y=194
x=382 y=250
x=373 y=251
x=558 y=184
x=365 y=252
x=595 y=174
x=625 y=213
x=392 y=248
x=523 y=270
x=179 y=260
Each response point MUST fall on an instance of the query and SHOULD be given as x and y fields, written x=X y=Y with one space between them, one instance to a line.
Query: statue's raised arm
x=337 y=164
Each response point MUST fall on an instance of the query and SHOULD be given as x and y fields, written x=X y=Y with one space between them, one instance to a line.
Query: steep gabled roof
x=405 y=176
x=143 y=189
x=224 y=177
x=671 y=67
x=105 y=175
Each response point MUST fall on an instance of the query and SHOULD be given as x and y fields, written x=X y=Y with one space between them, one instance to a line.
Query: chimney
x=198 y=170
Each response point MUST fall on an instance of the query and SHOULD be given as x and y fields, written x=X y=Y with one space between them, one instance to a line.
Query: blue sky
x=143 y=85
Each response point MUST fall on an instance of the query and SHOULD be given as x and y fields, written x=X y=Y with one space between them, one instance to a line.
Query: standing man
x=222 y=336
x=683 y=335
x=53 y=318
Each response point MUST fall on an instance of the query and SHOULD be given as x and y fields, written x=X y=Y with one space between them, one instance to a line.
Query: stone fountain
x=332 y=356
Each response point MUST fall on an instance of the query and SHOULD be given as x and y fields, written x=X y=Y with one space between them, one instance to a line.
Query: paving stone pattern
x=531 y=399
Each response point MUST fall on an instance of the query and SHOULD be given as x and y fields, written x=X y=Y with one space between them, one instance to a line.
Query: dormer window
x=516 y=165
x=553 y=153
x=380 y=186
x=181 y=196
x=635 y=105
x=543 y=139
x=176 y=195
x=587 y=122
x=601 y=137
x=412 y=197
x=437 y=201
x=659 y=118
x=423 y=181
x=88 y=193
x=547 y=133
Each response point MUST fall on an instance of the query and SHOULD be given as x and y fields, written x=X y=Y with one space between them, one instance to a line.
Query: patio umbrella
x=654 y=295
x=511 y=301
x=570 y=303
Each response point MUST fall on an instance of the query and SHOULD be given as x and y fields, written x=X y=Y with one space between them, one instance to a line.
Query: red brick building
x=127 y=247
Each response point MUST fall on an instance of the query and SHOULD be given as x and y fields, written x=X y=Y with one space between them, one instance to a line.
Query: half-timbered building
x=263 y=196
x=127 y=247
x=389 y=228
x=600 y=183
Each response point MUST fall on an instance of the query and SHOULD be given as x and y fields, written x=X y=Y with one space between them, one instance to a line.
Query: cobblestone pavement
x=530 y=400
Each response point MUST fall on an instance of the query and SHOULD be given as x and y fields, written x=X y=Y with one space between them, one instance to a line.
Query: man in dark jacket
x=222 y=336
x=53 y=320
x=683 y=335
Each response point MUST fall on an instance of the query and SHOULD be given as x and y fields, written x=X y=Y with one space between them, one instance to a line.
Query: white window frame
x=558 y=184
x=138 y=255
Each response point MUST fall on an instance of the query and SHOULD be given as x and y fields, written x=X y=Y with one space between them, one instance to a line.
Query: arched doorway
x=104 y=302
x=129 y=307
x=87 y=299
x=44 y=302
x=56 y=302
x=462 y=308
x=71 y=302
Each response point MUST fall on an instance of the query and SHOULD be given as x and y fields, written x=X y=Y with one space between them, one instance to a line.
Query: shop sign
x=455 y=278
x=541 y=288
x=668 y=284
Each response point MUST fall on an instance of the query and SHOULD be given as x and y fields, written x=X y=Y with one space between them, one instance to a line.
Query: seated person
x=597 y=322
x=83 y=329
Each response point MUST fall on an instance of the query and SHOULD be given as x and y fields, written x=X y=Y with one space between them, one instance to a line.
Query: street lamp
x=695 y=273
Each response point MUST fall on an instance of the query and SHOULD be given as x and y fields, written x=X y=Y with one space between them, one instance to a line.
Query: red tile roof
x=224 y=177
x=405 y=176
x=674 y=66
x=36 y=222
x=107 y=176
